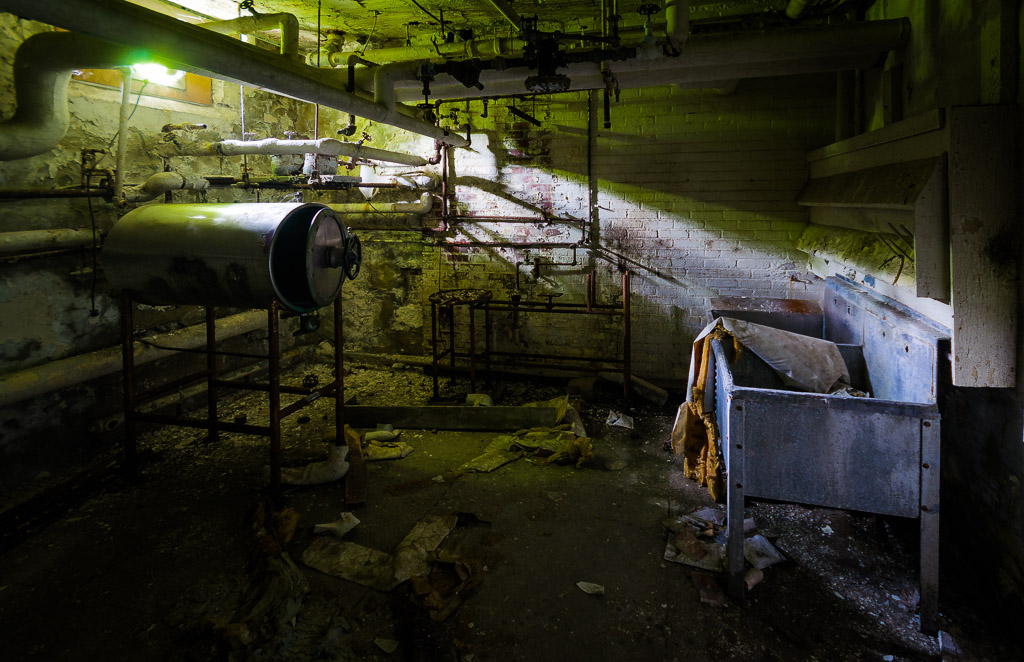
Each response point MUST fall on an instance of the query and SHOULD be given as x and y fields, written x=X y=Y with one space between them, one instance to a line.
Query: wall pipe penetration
x=153 y=37
x=63 y=373
x=164 y=182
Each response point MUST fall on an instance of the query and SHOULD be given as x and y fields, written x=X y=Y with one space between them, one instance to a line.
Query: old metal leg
x=274 y=351
x=930 y=526
x=128 y=378
x=734 y=499
x=433 y=344
x=472 y=346
x=211 y=372
x=627 y=363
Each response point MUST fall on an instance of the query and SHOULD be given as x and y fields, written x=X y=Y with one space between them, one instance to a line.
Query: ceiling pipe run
x=188 y=47
x=709 y=60
x=424 y=205
x=286 y=23
x=182 y=146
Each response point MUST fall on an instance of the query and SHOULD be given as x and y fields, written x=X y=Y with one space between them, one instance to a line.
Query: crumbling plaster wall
x=45 y=301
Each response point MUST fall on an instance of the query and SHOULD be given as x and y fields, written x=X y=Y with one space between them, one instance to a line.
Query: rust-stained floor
x=132 y=573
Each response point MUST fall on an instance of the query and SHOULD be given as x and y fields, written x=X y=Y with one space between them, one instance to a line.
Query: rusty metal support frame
x=529 y=359
x=211 y=423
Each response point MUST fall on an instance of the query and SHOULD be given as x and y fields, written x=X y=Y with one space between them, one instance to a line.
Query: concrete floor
x=135 y=572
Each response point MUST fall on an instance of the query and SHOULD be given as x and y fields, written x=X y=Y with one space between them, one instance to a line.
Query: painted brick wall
x=694 y=195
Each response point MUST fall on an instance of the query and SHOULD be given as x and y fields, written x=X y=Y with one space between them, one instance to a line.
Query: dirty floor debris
x=179 y=566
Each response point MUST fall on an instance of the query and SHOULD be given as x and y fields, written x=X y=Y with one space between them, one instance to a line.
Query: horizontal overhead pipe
x=42 y=70
x=41 y=240
x=182 y=146
x=462 y=50
x=74 y=192
x=710 y=59
x=63 y=373
x=286 y=23
x=189 y=47
x=424 y=205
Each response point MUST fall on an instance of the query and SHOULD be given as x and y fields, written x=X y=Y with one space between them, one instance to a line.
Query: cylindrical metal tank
x=240 y=255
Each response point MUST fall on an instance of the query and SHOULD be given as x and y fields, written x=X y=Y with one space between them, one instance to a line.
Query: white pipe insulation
x=164 y=182
x=424 y=205
x=42 y=70
x=677 y=23
x=122 y=131
x=53 y=376
x=189 y=47
x=182 y=146
x=287 y=23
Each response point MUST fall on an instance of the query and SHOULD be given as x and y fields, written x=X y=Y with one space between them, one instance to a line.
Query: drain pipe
x=287 y=23
x=42 y=240
x=161 y=183
x=122 y=131
x=425 y=204
x=182 y=146
x=56 y=375
x=181 y=45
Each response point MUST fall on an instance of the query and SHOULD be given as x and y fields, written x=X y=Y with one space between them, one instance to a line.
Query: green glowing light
x=157 y=74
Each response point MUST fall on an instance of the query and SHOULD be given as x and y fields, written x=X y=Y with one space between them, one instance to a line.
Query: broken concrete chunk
x=760 y=553
x=339 y=527
x=590 y=588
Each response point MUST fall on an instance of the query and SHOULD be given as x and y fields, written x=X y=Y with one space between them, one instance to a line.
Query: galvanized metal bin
x=878 y=454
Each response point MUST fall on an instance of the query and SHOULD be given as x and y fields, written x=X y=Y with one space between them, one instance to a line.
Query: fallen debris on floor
x=619 y=420
x=451 y=576
x=698 y=540
x=710 y=591
x=377 y=569
x=317 y=473
x=592 y=589
x=374 y=451
x=389 y=646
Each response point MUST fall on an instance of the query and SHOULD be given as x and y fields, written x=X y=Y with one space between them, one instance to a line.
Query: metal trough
x=878 y=454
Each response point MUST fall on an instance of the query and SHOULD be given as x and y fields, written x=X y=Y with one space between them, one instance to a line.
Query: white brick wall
x=695 y=196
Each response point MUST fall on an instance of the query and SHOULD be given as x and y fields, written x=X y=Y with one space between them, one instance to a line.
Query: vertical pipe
x=211 y=372
x=433 y=343
x=122 y=132
x=627 y=364
x=128 y=385
x=589 y=288
x=274 y=352
x=339 y=375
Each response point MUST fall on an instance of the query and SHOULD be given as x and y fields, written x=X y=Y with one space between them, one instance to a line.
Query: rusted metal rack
x=212 y=423
x=474 y=300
